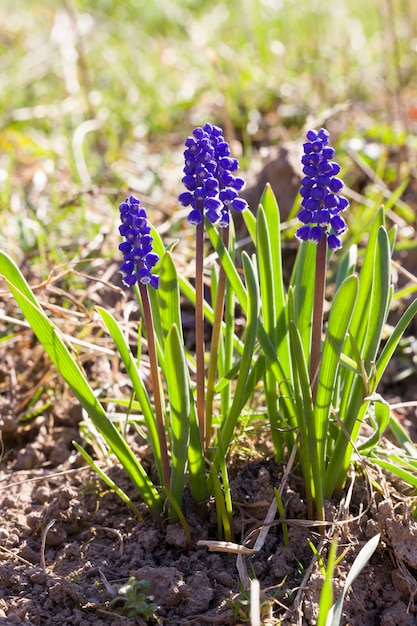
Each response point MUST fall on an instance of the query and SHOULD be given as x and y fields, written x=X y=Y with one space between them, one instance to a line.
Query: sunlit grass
x=93 y=92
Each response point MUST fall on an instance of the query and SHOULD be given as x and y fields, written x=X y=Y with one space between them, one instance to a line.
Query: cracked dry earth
x=67 y=543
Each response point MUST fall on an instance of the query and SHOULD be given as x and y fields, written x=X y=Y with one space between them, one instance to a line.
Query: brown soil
x=67 y=544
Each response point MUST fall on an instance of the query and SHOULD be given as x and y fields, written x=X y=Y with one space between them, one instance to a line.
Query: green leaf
x=169 y=296
x=223 y=518
x=228 y=265
x=302 y=281
x=273 y=225
x=179 y=388
x=228 y=426
x=250 y=221
x=366 y=329
x=242 y=296
x=392 y=236
x=379 y=297
x=338 y=324
x=347 y=265
x=359 y=325
x=393 y=341
x=227 y=343
x=196 y=461
x=380 y=420
x=313 y=477
x=50 y=337
x=326 y=595
x=189 y=292
x=266 y=274
x=266 y=268
x=269 y=224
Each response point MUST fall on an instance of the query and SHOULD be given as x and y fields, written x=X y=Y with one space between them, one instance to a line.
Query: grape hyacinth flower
x=208 y=177
x=139 y=258
x=320 y=189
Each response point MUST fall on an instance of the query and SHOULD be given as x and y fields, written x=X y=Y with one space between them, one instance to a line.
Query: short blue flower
x=211 y=187
x=139 y=258
x=320 y=189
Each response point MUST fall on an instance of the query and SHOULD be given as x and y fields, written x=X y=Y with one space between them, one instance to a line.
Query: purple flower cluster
x=320 y=189
x=211 y=187
x=137 y=249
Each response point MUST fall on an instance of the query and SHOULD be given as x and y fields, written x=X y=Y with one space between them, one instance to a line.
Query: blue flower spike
x=139 y=258
x=320 y=190
x=212 y=188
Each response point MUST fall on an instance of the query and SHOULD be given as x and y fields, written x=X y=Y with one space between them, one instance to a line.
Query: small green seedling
x=133 y=600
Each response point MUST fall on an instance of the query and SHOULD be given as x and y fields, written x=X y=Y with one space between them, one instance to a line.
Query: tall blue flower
x=320 y=189
x=211 y=185
x=139 y=258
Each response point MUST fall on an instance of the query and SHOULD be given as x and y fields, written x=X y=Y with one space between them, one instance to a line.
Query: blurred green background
x=97 y=97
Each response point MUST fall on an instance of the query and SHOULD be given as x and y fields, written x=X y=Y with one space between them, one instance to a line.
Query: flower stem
x=199 y=329
x=215 y=339
x=156 y=382
x=319 y=292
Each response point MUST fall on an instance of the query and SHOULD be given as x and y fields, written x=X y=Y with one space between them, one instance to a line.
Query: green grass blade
x=360 y=319
x=196 y=461
x=335 y=613
x=326 y=595
x=132 y=370
x=409 y=477
x=402 y=437
x=50 y=338
x=393 y=341
x=109 y=482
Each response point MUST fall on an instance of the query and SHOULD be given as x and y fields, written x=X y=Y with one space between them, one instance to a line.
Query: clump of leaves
x=132 y=600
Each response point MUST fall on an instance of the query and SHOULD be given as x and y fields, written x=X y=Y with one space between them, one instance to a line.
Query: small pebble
x=42 y=494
